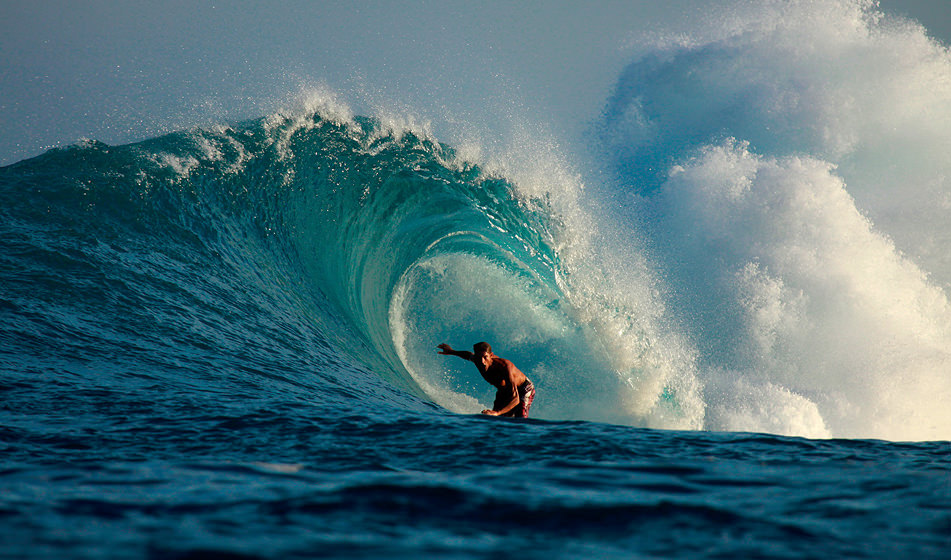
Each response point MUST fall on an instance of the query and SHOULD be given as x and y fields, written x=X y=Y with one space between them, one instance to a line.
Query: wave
x=765 y=255
x=320 y=249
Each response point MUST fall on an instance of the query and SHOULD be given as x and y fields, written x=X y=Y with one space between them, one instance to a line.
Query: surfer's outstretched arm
x=447 y=350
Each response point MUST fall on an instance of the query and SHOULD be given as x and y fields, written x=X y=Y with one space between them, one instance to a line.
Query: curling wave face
x=319 y=249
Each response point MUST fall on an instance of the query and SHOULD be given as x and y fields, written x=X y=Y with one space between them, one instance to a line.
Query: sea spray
x=792 y=169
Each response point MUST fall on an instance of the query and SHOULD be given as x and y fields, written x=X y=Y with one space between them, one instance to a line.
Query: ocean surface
x=221 y=342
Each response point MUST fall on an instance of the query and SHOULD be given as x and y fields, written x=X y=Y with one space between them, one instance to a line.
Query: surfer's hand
x=446 y=349
x=488 y=412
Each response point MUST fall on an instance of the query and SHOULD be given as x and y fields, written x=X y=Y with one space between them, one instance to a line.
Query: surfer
x=514 y=392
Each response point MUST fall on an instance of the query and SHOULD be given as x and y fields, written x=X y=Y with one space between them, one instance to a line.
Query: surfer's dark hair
x=480 y=346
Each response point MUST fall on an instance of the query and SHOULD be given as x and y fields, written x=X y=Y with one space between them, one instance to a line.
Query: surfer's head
x=483 y=352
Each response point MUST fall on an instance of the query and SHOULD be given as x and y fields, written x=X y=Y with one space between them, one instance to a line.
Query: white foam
x=808 y=256
x=738 y=405
x=298 y=114
x=799 y=293
x=180 y=165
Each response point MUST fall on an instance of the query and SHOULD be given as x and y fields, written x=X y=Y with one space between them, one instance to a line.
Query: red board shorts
x=526 y=394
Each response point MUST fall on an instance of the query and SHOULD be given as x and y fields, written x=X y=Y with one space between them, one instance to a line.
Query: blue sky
x=123 y=71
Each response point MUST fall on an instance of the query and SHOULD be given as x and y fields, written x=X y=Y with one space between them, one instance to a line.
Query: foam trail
x=793 y=166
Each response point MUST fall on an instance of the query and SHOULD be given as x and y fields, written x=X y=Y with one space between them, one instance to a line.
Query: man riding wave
x=514 y=392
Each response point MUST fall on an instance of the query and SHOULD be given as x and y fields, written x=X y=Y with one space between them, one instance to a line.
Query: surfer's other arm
x=447 y=350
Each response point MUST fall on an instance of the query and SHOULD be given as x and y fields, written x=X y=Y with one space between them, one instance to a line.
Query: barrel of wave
x=462 y=298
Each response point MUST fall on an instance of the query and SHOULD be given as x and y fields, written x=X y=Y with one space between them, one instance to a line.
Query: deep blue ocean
x=221 y=342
